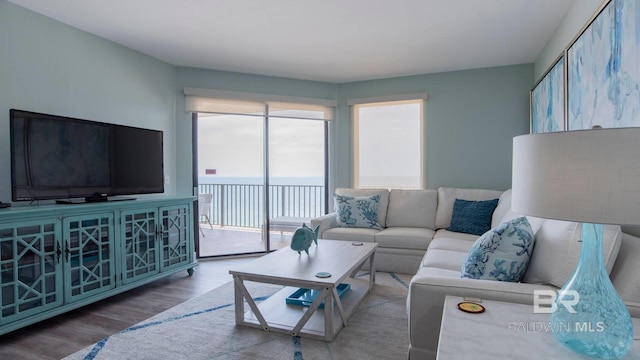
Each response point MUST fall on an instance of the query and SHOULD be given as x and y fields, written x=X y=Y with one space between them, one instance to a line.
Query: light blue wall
x=49 y=67
x=471 y=117
x=576 y=18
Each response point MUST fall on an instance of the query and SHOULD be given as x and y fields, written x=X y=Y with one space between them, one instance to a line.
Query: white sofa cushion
x=382 y=204
x=557 y=249
x=444 y=259
x=454 y=244
x=447 y=196
x=350 y=234
x=404 y=237
x=504 y=206
x=438 y=272
x=444 y=233
x=412 y=208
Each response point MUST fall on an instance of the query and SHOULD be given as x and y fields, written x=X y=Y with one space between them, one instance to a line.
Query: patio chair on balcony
x=204 y=205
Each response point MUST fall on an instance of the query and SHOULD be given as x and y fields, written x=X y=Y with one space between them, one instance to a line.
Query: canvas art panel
x=547 y=101
x=604 y=71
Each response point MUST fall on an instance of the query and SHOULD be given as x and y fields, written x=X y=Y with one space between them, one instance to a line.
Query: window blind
x=388 y=98
x=241 y=103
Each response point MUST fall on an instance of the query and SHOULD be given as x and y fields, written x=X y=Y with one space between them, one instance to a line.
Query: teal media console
x=55 y=258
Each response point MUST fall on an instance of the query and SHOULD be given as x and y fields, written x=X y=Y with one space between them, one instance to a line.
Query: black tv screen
x=56 y=157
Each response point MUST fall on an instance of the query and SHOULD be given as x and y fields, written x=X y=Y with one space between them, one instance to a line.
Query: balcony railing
x=242 y=205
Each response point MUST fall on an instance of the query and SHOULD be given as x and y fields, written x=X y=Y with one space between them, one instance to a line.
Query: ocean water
x=258 y=180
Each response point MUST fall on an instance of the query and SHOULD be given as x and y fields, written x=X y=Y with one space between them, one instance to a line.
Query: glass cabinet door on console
x=54 y=259
x=88 y=254
x=30 y=268
x=139 y=233
x=175 y=236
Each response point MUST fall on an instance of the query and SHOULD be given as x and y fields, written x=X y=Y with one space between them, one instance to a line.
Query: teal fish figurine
x=303 y=237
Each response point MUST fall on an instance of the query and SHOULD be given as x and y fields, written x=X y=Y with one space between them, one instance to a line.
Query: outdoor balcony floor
x=232 y=240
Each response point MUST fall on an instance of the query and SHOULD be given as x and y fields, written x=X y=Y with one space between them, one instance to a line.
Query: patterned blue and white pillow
x=501 y=253
x=361 y=212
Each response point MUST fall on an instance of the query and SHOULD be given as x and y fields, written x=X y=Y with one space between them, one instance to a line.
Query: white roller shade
x=232 y=102
x=223 y=106
x=388 y=98
x=300 y=111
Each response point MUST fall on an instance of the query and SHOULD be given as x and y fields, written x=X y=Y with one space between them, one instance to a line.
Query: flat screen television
x=74 y=160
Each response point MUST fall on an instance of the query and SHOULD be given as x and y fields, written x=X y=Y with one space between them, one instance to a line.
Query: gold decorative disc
x=471 y=307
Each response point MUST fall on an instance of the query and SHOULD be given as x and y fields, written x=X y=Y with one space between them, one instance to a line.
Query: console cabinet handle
x=58 y=252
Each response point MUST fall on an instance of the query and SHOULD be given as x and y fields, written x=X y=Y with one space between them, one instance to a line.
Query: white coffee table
x=503 y=331
x=285 y=267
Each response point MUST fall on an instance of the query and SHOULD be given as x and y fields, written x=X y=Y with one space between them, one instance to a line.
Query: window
x=388 y=145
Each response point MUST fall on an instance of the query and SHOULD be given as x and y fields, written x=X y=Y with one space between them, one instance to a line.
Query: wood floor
x=67 y=333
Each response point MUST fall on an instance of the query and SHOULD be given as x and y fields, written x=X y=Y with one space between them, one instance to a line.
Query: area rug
x=204 y=328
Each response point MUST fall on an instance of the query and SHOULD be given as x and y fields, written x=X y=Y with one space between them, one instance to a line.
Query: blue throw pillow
x=361 y=212
x=472 y=217
x=502 y=253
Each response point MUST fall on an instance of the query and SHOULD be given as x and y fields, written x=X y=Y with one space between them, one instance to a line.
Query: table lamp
x=592 y=177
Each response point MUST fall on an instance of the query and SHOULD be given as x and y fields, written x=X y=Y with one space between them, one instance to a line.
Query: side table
x=504 y=331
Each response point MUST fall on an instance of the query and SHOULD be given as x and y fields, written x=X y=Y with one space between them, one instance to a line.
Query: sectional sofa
x=413 y=238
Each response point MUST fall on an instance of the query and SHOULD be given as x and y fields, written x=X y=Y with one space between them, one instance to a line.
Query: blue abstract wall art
x=604 y=70
x=547 y=101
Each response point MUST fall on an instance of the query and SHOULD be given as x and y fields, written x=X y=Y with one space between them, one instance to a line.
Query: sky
x=233 y=145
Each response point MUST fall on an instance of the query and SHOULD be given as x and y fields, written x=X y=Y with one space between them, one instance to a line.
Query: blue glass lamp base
x=590 y=318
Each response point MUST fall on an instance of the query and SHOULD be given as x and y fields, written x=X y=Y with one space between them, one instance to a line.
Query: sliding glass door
x=230 y=184
x=256 y=173
x=296 y=175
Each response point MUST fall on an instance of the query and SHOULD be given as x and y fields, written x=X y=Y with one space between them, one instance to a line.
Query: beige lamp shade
x=588 y=176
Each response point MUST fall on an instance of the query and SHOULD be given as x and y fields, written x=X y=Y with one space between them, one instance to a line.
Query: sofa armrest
x=326 y=222
x=425 y=302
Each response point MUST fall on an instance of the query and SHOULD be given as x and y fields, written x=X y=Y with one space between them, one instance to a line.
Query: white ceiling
x=326 y=40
